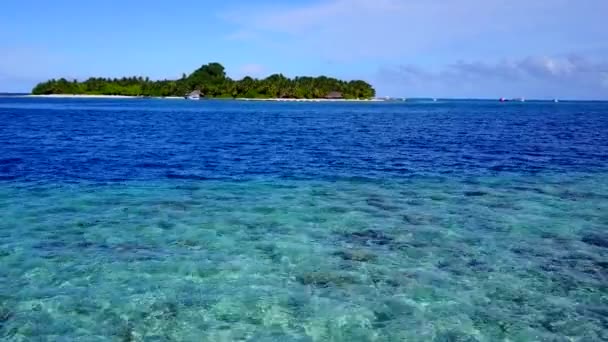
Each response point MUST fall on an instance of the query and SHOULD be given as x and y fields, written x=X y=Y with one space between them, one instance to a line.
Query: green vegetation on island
x=211 y=81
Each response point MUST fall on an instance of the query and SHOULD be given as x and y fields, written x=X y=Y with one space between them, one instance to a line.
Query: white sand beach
x=308 y=100
x=85 y=96
x=88 y=96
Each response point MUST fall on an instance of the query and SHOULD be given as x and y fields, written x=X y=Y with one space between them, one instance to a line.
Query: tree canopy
x=212 y=81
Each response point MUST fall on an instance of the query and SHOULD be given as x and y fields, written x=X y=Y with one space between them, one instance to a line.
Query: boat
x=520 y=99
x=195 y=95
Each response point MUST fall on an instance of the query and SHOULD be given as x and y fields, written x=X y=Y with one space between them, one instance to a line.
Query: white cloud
x=391 y=29
x=538 y=76
x=423 y=40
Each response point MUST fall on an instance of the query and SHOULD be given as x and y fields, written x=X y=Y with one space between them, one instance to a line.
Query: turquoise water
x=468 y=253
x=483 y=259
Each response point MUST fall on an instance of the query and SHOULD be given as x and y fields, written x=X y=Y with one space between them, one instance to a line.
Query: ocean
x=170 y=220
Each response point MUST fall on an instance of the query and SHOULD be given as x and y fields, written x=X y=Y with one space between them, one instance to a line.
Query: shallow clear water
x=161 y=220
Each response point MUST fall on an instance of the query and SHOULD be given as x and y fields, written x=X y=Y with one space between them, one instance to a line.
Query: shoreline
x=91 y=96
x=308 y=100
x=84 y=96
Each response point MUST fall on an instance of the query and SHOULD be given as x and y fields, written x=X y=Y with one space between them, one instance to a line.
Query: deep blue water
x=110 y=140
x=172 y=220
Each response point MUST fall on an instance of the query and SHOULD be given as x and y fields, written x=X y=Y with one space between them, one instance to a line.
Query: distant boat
x=434 y=100
x=555 y=100
x=195 y=95
x=520 y=99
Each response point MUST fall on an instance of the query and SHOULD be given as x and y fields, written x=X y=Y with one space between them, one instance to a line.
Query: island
x=210 y=80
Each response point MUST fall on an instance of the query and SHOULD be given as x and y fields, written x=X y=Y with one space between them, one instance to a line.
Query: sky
x=405 y=48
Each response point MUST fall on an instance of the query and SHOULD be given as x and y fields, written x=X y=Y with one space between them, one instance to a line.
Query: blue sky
x=435 y=48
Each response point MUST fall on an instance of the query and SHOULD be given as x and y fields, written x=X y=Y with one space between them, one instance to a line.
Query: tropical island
x=210 y=80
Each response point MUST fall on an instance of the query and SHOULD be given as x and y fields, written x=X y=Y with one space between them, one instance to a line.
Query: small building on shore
x=334 y=95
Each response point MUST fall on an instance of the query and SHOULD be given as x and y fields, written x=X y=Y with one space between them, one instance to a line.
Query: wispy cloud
x=242 y=35
x=540 y=76
x=424 y=39
x=405 y=28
